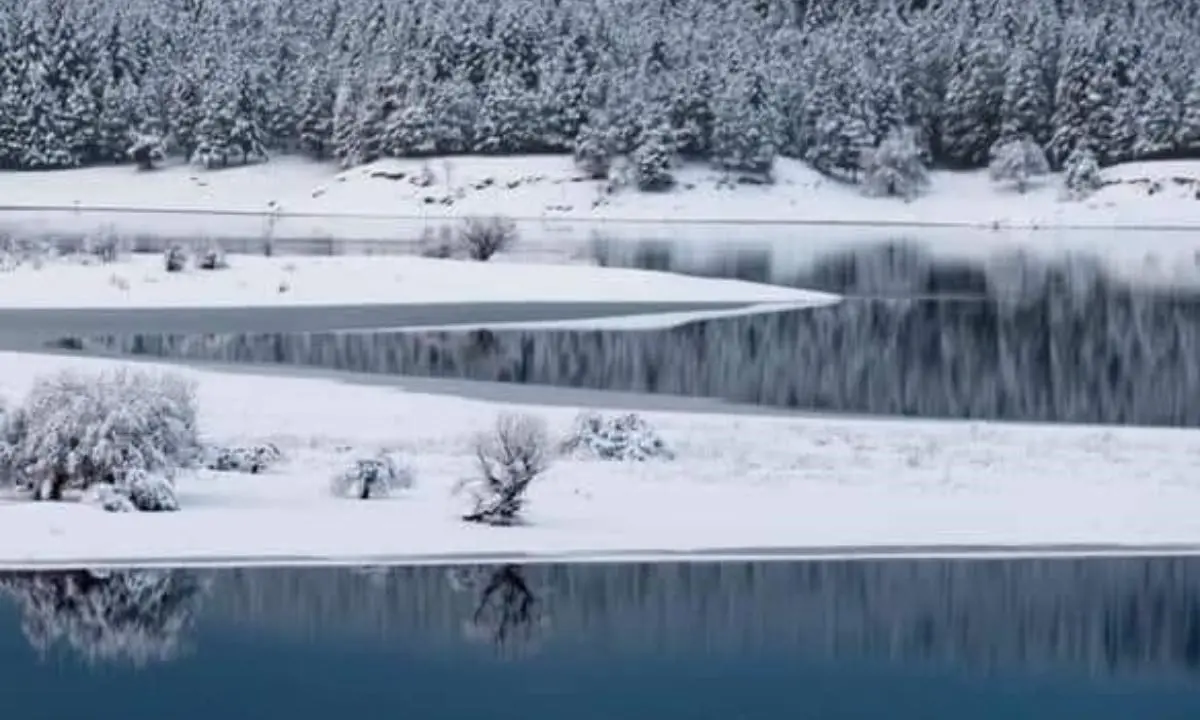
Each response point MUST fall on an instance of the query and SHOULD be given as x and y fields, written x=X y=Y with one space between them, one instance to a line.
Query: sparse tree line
x=630 y=87
x=117 y=440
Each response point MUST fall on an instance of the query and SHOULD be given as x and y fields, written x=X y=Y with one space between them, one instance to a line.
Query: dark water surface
x=1010 y=337
x=1028 y=639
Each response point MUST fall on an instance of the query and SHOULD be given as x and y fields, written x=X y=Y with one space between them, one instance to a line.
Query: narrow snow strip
x=142 y=282
x=741 y=486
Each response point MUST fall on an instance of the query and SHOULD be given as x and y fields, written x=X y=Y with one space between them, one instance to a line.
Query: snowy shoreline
x=296 y=199
x=740 y=485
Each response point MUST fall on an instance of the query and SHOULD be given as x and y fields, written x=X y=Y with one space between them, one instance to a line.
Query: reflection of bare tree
x=136 y=616
x=508 y=613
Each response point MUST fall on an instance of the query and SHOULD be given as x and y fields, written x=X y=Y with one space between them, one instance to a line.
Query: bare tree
x=509 y=458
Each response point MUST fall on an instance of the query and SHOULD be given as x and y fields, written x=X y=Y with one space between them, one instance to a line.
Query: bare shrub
x=508 y=458
x=175 y=259
x=212 y=258
x=374 y=477
x=484 y=237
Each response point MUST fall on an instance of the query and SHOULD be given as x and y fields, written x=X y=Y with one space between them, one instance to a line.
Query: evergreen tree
x=974 y=98
x=1025 y=110
x=314 y=128
x=1189 y=124
x=1158 y=123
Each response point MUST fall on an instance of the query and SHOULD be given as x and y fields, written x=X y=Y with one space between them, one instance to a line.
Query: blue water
x=898 y=639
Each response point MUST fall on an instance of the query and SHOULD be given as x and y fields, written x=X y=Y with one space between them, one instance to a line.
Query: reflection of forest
x=138 y=616
x=1102 y=615
x=1016 y=339
x=1091 y=615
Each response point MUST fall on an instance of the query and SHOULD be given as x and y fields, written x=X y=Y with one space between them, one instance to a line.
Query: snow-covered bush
x=175 y=259
x=251 y=459
x=484 y=237
x=212 y=258
x=138 y=492
x=594 y=152
x=149 y=492
x=134 y=616
x=374 y=477
x=1081 y=175
x=1018 y=162
x=620 y=437
x=109 y=499
x=82 y=430
x=508 y=459
x=652 y=160
x=894 y=168
x=13 y=429
x=147 y=151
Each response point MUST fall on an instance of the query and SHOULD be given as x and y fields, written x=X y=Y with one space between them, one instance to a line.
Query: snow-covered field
x=142 y=281
x=397 y=199
x=739 y=484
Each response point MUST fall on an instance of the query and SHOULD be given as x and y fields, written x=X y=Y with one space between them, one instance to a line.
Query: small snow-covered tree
x=1018 y=161
x=894 y=168
x=652 y=159
x=81 y=430
x=509 y=459
x=1189 y=124
x=594 y=151
x=374 y=477
x=1081 y=176
x=146 y=151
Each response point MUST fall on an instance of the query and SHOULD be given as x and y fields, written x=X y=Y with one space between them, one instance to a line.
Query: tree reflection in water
x=134 y=616
x=508 y=613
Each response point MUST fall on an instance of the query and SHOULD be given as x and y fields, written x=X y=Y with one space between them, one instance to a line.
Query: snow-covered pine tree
x=894 y=168
x=1158 y=122
x=1018 y=161
x=506 y=117
x=1025 y=109
x=652 y=160
x=454 y=111
x=314 y=128
x=409 y=131
x=1081 y=176
x=1189 y=124
x=345 y=144
x=743 y=137
x=974 y=98
x=595 y=148
x=117 y=118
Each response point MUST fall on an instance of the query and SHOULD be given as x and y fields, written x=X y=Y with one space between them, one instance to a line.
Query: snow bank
x=738 y=484
x=390 y=200
x=143 y=281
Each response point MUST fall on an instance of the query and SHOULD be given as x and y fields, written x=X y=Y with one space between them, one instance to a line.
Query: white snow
x=294 y=198
x=141 y=281
x=739 y=485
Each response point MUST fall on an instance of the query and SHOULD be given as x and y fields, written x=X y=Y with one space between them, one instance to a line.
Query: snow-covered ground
x=397 y=199
x=142 y=281
x=740 y=484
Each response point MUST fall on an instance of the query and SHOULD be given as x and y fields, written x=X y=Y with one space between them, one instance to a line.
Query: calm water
x=1022 y=639
x=919 y=335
